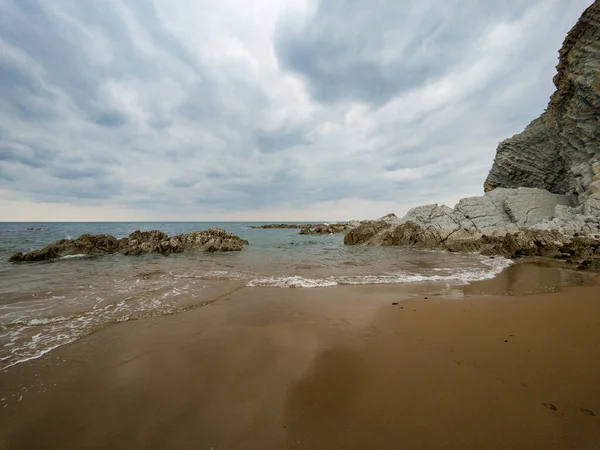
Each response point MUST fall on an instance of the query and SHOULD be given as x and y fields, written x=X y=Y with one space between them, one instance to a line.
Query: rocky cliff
x=560 y=151
x=543 y=191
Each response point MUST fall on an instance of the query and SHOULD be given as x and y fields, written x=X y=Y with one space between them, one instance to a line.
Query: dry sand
x=331 y=368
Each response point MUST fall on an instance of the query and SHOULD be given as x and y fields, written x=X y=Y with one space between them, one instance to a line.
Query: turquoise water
x=45 y=305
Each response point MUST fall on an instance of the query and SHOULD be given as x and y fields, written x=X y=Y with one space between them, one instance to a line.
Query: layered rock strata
x=560 y=150
x=138 y=242
x=325 y=228
x=543 y=191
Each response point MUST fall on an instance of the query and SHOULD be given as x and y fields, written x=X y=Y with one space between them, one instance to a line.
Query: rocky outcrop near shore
x=137 y=243
x=543 y=191
x=505 y=222
x=560 y=150
x=325 y=228
x=309 y=228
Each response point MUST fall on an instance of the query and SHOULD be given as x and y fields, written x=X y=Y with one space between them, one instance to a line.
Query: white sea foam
x=32 y=328
x=214 y=275
x=294 y=281
x=74 y=256
x=31 y=331
x=42 y=321
x=493 y=268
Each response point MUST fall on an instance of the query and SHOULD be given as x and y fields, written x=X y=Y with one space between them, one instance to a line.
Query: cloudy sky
x=263 y=109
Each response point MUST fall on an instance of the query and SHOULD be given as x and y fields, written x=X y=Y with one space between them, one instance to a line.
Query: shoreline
x=339 y=367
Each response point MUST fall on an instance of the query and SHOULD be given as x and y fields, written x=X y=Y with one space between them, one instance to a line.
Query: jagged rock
x=309 y=228
x=507 y=222
x=362 y=233
x=86 y=244
x=525 y=242
x=335 y=228
x=496 y=213
x=391 y=218
x=590 y=264
x=138 y=242
x=211 y=240
x=560 y=151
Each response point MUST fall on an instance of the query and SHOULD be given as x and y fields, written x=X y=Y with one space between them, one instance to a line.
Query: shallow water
x=45 y=305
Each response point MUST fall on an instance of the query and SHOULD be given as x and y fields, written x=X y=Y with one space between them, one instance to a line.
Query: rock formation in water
x=543 y=192
x=309 y=228
x=138 y=242
x=325 y=228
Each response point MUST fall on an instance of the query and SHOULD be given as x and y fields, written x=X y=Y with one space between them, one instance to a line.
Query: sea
x=46 y=305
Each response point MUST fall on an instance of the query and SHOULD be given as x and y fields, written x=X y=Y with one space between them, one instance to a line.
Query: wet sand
x=343 y=367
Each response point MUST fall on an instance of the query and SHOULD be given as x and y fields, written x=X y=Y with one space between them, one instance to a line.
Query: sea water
x=48 y=304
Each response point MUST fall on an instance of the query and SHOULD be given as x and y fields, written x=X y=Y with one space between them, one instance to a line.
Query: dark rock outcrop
x=86 y=244
x=365 y=231
x=138 y=242
x=309 y=228
x=324 y=228
x=559 y=151
x=361 y=231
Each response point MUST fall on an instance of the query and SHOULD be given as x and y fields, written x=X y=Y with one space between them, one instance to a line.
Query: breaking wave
x=493 y=268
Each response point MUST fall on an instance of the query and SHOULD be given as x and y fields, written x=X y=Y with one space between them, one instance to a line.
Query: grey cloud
x=5 y=175
x=27 y=156
x=66 y=172
x=353 y=51
x=114 y=103
x=64 y=51
x=182 y=183
x=24 y=94
x=278 y=140
x=110 y=119
x=37 y=184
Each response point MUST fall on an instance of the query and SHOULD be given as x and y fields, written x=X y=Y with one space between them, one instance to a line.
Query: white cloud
x=268 y=109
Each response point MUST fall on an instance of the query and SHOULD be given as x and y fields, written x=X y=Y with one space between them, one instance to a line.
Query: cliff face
x=543 y=192
x=560 y=150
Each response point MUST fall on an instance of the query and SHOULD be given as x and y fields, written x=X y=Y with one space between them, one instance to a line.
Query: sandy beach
x=352 y=367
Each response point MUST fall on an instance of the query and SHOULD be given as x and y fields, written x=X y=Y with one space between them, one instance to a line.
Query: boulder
x=86 y=244
x=365 y=231
x=211 y=240
x=140 y=242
